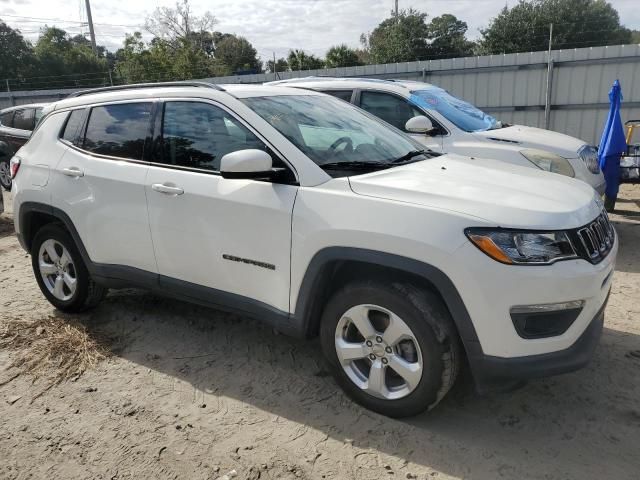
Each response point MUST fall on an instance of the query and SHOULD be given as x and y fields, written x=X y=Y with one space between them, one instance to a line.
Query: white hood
x=501 y=194
x=531 y=137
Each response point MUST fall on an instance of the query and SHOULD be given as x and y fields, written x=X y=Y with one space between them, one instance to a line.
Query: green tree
x=237 y=54
x=576 y=23
x=16 y=55
x=399 y=39
x=60 y=56
x=300 y=60
x=447 y=37
x=342 y=56
x=281 y=65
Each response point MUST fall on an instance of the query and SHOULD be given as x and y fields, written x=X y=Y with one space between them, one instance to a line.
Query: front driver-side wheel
x=5 y=173
x=61 y=273
x=392 y=347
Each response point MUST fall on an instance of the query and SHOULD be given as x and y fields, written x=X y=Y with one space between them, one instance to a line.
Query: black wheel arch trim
x=319 y=264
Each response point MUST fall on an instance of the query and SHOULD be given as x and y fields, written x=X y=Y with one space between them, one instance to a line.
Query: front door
x=232 y=236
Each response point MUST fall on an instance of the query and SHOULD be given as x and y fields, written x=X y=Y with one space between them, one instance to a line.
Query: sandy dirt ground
x=192 y=393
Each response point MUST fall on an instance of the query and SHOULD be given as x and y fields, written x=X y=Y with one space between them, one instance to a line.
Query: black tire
x=4 y=163
x=88 y=294
x=432 y=326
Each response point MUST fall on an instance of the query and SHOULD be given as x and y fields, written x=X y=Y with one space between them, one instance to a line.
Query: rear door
x=233 y=236
x=99 y=183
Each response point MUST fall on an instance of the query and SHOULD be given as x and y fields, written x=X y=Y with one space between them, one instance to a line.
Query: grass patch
x=52 y=349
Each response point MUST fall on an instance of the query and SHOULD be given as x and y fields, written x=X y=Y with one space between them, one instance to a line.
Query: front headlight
x=589 y=155
x=549 y=162
x=515 y=247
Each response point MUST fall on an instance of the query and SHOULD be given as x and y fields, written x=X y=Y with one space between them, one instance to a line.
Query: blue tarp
x=613 y=143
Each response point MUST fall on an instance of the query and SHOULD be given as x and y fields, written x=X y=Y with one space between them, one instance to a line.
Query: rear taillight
x=15 y=166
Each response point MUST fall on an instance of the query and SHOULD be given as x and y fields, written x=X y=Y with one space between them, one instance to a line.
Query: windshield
x=333 y=133
x=462 y=114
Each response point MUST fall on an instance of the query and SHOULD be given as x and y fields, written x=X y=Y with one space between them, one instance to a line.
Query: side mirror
x=250 y=163
x=419 y=124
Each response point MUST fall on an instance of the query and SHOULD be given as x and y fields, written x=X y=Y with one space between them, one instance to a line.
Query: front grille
x=597 y=238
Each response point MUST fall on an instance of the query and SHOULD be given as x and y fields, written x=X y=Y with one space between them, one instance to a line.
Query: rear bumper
x=498 y=374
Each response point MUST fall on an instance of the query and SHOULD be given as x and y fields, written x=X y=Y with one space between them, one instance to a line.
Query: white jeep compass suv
x=448 y=124
x=306 y=212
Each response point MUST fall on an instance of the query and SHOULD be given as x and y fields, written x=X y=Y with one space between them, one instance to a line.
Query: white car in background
x=448 y=124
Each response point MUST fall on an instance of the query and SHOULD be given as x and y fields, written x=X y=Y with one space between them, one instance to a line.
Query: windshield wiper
x=354 y=165
x=409 y=156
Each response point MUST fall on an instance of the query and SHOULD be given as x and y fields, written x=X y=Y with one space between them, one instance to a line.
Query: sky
x=270 y=25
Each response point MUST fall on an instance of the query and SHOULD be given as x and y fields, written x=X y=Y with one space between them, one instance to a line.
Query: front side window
x=198 y=135
x=72 y=127
x=23 y=119
x=391 y=109
x=6 y=119
x=335 y=134
x=118 y=130
x=462 y=114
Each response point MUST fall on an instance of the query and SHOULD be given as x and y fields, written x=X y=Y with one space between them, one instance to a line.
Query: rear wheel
x=393 y=348
x=61 y=272
x=5 y=173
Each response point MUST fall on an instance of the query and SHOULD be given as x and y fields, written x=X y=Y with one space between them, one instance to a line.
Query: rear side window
x=6 y=119
x=118 y=130
x=24 y=119
x=71 y=129
x=341 y=94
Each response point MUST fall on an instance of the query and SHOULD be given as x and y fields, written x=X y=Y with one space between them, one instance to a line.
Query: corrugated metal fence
x=511 y=87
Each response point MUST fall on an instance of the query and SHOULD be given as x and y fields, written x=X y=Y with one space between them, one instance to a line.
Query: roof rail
x=146 y=85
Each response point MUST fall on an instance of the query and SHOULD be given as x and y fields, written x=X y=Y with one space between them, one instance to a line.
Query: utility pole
x=91 y=31
x=396 y=9
x=275 y=67
x=547 y=105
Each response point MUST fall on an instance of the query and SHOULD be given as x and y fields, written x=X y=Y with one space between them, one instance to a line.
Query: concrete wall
x=511 y=87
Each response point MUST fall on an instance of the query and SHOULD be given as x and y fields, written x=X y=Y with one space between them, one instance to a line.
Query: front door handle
x=167 y=189
x=73 y=172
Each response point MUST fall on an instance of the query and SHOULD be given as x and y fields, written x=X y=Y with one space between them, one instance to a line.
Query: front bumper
x=499 y=374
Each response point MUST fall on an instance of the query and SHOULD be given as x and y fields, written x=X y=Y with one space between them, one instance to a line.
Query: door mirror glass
x=249 y=163
x=419 y=124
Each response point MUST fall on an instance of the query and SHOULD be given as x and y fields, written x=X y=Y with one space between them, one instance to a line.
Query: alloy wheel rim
x=378 y=352
x=57 y=270
x=5 y=176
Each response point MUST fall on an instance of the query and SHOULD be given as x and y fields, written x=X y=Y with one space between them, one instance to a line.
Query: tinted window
x=341 y=94
x=391 y=109
x=198 y=135
x=6 y=119
x=23 y=119
x=72 y=127
x=118 y=130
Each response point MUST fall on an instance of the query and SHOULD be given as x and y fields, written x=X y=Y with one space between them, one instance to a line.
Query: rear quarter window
x=118 y=130
x=72 y=127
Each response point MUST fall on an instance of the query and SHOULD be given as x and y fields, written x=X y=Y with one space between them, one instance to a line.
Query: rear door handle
x=167 y=189
x=73 y=172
